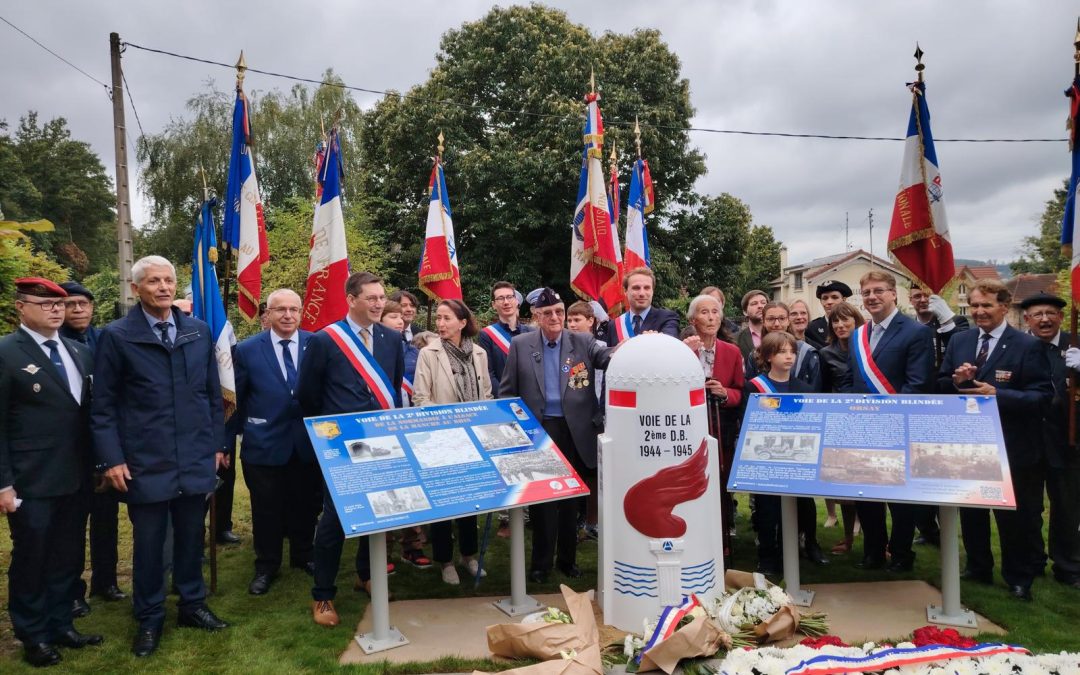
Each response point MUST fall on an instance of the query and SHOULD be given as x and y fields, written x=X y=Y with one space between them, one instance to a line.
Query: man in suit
x=902 y=351
x=641 y=317
x=495 y=339
x=44 y=439
x=279 y=466
x=537 y=370
x=330 y=385
x=753 y=307
x=158 y=425
x=998 y=360
x=1043 y=315
x=829 y=294
x=100 y=504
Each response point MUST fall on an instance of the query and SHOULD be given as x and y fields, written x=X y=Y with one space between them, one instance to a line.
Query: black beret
x=831 y=286
x=75 y=288
x=1042 y=298
x=546 y=298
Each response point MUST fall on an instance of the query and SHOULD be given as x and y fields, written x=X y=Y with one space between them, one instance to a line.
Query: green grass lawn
x=274 y=633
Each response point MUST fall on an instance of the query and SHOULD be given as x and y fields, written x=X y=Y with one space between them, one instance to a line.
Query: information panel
x=920 y=449
x=410 y=466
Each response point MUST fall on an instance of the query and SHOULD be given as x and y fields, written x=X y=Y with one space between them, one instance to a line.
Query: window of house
x=798 y=281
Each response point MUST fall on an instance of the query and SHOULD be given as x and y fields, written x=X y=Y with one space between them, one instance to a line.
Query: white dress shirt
x=74 y=375
x=294 y=349
x=995 y=336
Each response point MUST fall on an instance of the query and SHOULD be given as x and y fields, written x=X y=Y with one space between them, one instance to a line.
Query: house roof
x=1023 y=286
x=819 y=267
x=979 y=271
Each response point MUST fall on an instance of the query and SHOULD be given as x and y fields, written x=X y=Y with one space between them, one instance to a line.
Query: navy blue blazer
x=267 y=412
x=159 y=411
x=1019 y=369
x=905 y=356
x=662 y=321
x=329 y=385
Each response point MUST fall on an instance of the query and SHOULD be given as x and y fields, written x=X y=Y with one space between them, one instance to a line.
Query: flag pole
x=1075 y=341
x=213 y=494
x=241 y=66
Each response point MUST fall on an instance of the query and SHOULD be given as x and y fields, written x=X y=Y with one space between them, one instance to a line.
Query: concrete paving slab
x=457 y=627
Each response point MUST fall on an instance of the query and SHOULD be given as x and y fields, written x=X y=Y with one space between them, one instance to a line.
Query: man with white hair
x=158 y=426
x=279 y=464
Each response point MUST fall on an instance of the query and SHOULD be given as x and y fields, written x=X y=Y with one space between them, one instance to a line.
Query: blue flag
x=206 y=302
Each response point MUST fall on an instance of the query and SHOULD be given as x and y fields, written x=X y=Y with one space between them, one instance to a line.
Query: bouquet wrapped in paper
x=754 y=611
x=683 y=631
x=554 y=637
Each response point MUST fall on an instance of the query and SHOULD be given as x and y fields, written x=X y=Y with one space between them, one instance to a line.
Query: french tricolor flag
x=244 y=228
x=919 y=233
x=1071 y=222
x=640 y=204
x=439 y=274
x=328 y=260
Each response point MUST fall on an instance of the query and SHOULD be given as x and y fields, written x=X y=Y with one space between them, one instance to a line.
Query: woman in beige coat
x=453 y=370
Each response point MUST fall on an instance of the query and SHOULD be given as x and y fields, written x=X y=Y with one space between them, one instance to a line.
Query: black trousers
x=329 y=540
x=876 y=538
x=1019 y=531
x=225 y=495
x=442 y=538
x=554 y=524
x=285 y=503
x=1063 y=488
x=45 y=544
x=149 y=523
x=101 y=509
x=768 y=523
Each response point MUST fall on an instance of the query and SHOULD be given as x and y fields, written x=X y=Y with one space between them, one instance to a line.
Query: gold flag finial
x=205 y=186
x=637 y=136
x=1076 y=47
x=592 y=80
x=919 y=67
x=442 y=139
x=241 y=66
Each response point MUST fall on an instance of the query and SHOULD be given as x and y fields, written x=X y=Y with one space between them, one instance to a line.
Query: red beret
x=42 y=288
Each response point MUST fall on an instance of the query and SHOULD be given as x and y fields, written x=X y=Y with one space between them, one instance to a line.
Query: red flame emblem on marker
x=649 y=503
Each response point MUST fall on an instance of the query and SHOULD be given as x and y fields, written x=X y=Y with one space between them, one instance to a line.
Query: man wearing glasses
x=279 y=464
x=495 y=339
x=538 y=370
x=44 y=443
x=890 y=354
x=101 y=504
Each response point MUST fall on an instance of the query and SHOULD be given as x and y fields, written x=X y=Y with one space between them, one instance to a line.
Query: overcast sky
x=995 y=69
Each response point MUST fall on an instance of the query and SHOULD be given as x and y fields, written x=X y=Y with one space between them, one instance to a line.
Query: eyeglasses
x=776 y=319
x=550 y=312
x=286 y=310
x=372 y=299
x=877 y=292
x=77 y=304
x=46 y=305
x=1048 y=314
x=504 y=298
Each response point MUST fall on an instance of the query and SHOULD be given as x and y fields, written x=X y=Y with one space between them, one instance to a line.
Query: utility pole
x=125 y=256
x=847 y=232
x=870 y=218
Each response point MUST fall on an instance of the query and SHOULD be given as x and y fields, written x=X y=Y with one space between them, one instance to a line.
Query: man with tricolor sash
x=890 y=354
x=641 y=317
x=495 y=339
x=352 y=365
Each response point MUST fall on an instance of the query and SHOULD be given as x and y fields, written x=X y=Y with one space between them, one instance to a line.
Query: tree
x=708 y=240
x=18 y=259
x=45 y=174
x=507 y=92
x=760 y=262
x=1041 y=253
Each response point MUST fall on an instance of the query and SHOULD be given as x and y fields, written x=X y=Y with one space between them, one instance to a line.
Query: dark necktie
x=984 y=350
x=552 y=344
x=163 y=328
x=290 y=366
x=636 y=322
x=54 y=356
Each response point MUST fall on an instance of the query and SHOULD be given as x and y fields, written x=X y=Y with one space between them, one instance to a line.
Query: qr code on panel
x=990 y=492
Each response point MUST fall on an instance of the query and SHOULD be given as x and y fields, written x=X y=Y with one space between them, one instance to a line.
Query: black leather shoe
x=260 y=584
x=815 y=555
x=538 y=576
x=201 y=618
x=227 y=537
x=870 y=563
x=900 y=565
x=110 y=594
x=79 y=608
x=41 y=654
x=73 y=639
x=1020 y=592
x=308 y=567
x=571 y=571
x=978 y=577
x=146 y=642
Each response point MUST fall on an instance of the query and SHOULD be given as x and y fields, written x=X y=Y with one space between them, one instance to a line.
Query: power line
x=608 y=122
x=131 y=100
x=35 y=41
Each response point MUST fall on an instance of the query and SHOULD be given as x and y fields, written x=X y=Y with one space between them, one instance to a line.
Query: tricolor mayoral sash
x=624 y=327
x=365 y=364
x=869 y=370
x=500 y=336
x=763 y=384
